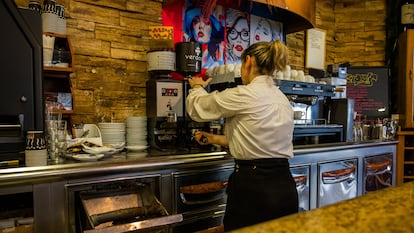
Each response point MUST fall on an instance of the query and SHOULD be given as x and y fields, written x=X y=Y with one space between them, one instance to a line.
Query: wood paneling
x=110 y=40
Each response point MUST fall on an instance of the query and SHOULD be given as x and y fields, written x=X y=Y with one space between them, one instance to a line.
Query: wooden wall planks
x=110 y=41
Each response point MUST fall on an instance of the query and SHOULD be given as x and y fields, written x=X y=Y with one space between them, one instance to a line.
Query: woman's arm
x=204 y=138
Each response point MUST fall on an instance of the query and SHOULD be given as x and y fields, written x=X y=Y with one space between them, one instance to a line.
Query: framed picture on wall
x=315 y=49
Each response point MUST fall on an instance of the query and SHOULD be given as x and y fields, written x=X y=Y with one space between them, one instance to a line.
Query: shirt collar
x=262 y=79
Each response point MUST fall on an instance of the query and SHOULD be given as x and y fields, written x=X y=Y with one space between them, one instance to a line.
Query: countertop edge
x=62 y=171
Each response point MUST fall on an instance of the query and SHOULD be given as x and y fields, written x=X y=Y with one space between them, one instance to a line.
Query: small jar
x=35 y=152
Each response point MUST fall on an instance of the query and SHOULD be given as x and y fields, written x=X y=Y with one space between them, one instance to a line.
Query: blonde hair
x=269 y=56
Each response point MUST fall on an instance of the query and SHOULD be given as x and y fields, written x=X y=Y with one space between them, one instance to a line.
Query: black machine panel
x=21 y=92
x=304 y=88
x=21 y=65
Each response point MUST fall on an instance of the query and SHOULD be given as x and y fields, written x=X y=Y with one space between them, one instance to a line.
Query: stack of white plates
x=136 y=133
x=112 y=133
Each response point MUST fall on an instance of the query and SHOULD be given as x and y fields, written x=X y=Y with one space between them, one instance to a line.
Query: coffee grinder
x=188 y=63
x=169 y=127
x=164 y=108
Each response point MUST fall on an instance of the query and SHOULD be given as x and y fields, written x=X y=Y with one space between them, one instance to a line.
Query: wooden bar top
x=386 y=210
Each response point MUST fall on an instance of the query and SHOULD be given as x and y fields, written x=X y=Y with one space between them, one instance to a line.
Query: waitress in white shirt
x=258 y=131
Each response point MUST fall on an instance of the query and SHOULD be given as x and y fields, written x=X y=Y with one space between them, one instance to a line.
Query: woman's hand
x=196 y=82
x=204 y=138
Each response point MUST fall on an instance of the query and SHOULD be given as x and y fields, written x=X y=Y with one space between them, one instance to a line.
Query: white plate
x=136 y=148
x=88 y=157
x=98 y=150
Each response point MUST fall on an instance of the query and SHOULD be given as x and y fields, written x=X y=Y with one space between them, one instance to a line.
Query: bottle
x=407 y=14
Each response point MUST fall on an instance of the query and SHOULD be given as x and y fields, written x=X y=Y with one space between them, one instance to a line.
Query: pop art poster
x=207 y=29
x=263 y=29
x=237 y=35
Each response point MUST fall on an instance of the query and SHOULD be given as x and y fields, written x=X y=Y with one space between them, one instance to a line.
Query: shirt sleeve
x=202 y=106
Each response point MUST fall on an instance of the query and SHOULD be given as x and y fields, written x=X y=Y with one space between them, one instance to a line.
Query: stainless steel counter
x=306 y=149
x=54 y=187
x=125 y=161
x=116 y=163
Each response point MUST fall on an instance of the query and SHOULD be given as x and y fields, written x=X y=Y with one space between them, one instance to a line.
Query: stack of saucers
x=112 y=133
x=136 y=133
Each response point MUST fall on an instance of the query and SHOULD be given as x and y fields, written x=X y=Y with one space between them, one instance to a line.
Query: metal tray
x=125 y=210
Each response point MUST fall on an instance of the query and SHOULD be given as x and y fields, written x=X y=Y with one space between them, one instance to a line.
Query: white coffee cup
x=298 y=115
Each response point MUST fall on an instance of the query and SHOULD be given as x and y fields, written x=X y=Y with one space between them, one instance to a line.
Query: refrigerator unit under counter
x=337 y=181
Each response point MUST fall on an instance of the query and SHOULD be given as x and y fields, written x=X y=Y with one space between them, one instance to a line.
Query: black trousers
x=259 y=190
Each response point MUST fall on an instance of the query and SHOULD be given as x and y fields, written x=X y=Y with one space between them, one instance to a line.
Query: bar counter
x=55 y=188
x=152 y=160
x=386 y=210
x=116 y=163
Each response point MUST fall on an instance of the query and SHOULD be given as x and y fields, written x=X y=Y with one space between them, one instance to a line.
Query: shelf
x=68 y=112
x=57 y=69
x=304 y=88
x=62 y=44
x=56 y=78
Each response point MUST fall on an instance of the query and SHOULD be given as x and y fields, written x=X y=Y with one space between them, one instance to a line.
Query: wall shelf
x=57 y=86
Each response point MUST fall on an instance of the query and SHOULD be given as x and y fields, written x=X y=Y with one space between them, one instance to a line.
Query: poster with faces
x=237 y=35
x=263 y=29
x=206 y=29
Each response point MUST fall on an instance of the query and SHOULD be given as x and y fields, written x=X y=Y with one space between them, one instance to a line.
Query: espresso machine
x=312 y=112
x=169 y=126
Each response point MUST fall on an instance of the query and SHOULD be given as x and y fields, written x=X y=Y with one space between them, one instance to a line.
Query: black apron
x=259 y=190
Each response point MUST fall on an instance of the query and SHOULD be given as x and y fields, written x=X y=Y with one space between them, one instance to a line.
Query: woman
x=258 y=131
x=238 y=35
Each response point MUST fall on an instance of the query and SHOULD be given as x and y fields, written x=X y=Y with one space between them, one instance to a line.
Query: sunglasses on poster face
x=244 y=34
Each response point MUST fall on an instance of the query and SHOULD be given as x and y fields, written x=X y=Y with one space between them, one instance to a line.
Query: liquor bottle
x=407 y=14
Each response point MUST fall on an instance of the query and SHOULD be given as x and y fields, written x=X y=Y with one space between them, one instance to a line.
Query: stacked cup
x=48 y=46
x=136 y=130
x=36 y=152
x=61 y=21
x=113 y=134
x=49 y=16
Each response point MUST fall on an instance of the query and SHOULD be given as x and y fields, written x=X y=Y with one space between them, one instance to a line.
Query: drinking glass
x=53 y=110
x=56 y=138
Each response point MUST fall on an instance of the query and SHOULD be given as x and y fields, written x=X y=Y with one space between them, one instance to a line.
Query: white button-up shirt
x=259 y=118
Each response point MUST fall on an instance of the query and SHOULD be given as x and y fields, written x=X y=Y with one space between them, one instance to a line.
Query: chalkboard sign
x=368 y=86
